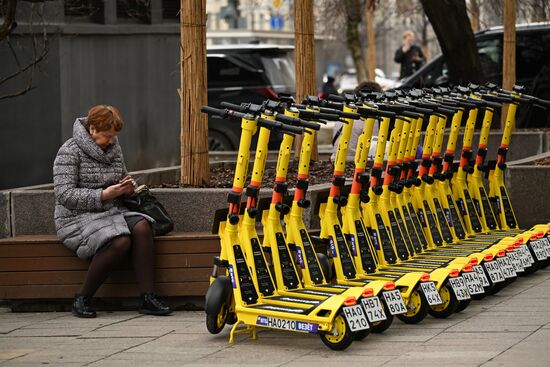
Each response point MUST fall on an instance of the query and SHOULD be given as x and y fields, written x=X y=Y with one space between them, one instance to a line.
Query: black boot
x=82 y=307
x=153 y=306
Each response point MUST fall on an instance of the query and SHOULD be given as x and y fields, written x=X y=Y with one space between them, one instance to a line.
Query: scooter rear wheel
x=381 y=326
x=341 y=336
x=449 y=305
x=361 y=334
x=462 y=305
x=418 y=309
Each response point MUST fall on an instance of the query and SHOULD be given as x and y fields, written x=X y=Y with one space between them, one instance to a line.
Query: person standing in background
x=329 y=88
x=409 y=55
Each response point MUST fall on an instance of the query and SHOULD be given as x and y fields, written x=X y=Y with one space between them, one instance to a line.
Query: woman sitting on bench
x=90 y=177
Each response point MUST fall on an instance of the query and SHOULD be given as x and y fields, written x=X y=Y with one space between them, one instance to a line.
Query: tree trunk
x=195 y=169
x=424 y=40
x=371 y=40
x=352 y=10
x=304 y=56
x=474 y=15
x=508 y=51
x=456 y=39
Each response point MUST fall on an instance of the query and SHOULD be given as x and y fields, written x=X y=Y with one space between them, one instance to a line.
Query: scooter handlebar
x=225 y=113
x=541 y=103
x=324 y=113
x=297 y=121
x=399 y=109
x=277 y=125
x=214 y=111
x=371 y=112
x=336 y=98
x=234 y=107
x=492 y=101
x=330 y=114
x=459 y=102
x=500 y=98
x=423 y=110
x=410 y=114
x=446 y=110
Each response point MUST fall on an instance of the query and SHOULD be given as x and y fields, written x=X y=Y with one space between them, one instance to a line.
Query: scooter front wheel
x=216 y=322
x=417 y=308
x=341 y=336
x=449 y=305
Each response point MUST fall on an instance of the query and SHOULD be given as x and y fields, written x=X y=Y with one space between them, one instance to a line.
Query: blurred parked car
x=245 y=73
x=532 y=66
x=347 y=81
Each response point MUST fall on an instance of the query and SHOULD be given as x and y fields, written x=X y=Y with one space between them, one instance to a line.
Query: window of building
x=134 y=11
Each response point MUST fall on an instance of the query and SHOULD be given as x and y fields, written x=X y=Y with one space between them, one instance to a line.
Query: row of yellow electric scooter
x=412 y=237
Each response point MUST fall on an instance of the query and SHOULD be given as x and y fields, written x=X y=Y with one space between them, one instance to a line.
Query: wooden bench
x=40 y=267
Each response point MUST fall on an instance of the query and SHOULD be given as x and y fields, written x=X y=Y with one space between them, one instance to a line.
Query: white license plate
x=515 y=256
x=546 y=245
x=539 y=250
x=459 y=287
x=374 y=309
x=507 y=268
x=431 y=293
x=473 y=282
x=525 y=261
x=356 y=317
x=493 y=269
x=394 y=301
x=527 y=255
x=481 y=274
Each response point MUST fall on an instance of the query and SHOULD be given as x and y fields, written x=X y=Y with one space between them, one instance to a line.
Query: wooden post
x=508 y=51
x=304 y=59
x=371 y=40
x=195 y=169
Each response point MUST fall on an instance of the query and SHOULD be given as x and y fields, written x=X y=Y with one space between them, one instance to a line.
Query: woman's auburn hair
x=104 y=117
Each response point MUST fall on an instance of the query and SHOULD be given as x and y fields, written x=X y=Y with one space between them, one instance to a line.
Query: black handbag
x=143 y=201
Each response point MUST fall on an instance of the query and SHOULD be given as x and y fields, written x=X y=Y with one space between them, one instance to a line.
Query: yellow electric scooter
x=251 y=308
x=379 y=309
x=409 y=284
x=390 y=206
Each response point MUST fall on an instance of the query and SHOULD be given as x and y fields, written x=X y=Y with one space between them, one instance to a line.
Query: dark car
x=532 y=66
x=245 y=73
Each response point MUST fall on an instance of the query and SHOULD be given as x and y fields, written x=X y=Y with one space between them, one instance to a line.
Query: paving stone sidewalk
x=509 y=329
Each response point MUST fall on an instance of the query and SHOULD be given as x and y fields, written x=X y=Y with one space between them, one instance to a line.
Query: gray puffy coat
x=81 y=170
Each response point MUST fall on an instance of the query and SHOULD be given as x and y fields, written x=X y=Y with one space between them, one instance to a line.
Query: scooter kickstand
x=248 y=329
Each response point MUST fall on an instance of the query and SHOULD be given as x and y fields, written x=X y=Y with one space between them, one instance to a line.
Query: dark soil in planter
x=319 y=172
x=543 y=162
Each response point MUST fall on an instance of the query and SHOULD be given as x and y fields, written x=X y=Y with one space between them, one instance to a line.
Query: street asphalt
x=511 y=328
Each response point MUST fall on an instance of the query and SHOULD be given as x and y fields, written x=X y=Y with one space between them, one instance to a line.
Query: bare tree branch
x=9 y=18
x=37 y=56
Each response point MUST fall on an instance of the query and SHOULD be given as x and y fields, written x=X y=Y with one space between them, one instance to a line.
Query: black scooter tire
x=381 y=326
x=420 y=311
x=450 y=303
x=361 y=334
x=462 y=305
x=216 y=323
x=343 y=339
